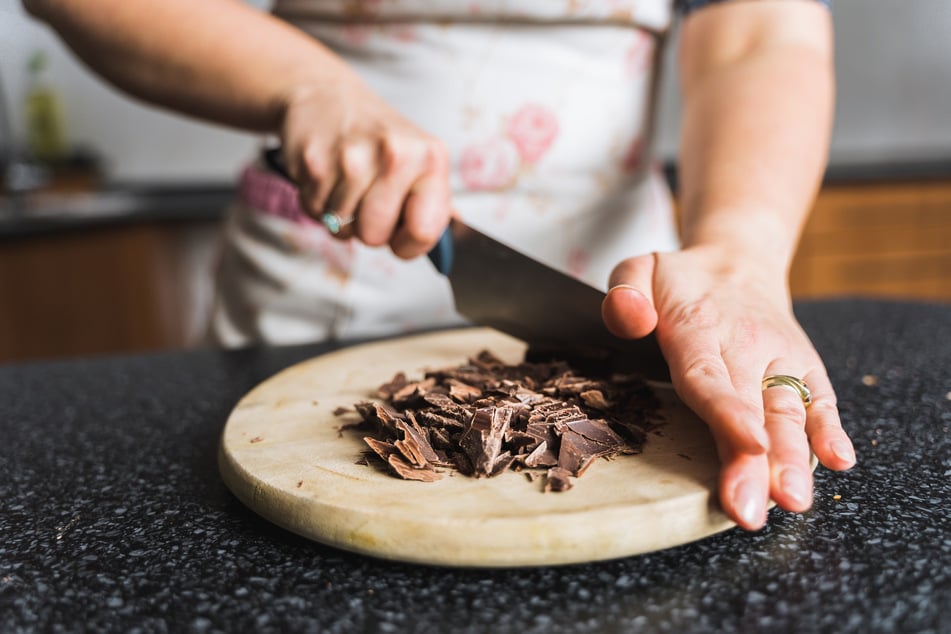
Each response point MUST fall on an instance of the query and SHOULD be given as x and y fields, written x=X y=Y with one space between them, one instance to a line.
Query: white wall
x=139 y=142
x=893 y=66
x=893 y=61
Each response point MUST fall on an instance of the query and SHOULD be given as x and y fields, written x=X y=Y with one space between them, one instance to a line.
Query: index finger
x=703 y=382
x=425 y=215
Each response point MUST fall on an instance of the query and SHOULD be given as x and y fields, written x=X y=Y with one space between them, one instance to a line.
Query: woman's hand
x=723 y=323
x=356 y=157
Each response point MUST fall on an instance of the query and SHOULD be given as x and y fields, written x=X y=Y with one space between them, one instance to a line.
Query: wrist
x=324 y=82
x=766 y=240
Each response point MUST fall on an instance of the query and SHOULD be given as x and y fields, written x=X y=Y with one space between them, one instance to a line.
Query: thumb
x=628 y=308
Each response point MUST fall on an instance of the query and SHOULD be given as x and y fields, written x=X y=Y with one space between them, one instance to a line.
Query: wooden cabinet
x=107 y=289
x=877 y=240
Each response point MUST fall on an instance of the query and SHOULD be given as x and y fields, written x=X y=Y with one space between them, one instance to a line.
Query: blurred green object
x=46 y=138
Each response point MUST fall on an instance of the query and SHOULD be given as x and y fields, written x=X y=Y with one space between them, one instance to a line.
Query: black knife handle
x=440 y=255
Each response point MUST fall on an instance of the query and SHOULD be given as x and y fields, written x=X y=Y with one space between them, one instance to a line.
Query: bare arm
x=227 y=62
x=758 y=96
x=220 y=60
x=757 y=84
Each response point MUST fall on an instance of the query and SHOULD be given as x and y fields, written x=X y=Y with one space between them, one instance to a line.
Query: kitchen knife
x=495 y=285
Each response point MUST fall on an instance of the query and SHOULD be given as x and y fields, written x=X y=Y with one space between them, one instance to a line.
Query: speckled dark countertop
x=112 y=515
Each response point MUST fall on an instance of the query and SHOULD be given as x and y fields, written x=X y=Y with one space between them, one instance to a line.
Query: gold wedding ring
x=790 y=383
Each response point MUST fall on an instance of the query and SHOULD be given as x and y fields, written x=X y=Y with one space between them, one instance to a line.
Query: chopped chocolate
x=595 y=399
x=485 y=417
x=381 y=448
x=433 y=419
x=414 y=445
x=482 y=440
x=577 y=452
x=387 y=390
x=407 y=472
x=598 y=431
x=378 y=414
x=462 y=392
x=558 y=480
x=541 y=456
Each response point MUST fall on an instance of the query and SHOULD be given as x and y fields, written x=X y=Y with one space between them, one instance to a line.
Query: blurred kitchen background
x=108 y=244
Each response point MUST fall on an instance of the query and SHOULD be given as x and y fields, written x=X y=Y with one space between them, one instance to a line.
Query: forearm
x=220 y=60
x=755 y=136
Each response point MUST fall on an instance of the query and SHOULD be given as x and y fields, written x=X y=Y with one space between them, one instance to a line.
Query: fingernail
x=843 y=451
x=794 y=484
x=627 y=287
x=750 y=503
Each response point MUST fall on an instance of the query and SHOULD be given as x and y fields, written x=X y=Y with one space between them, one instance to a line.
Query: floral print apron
x=545 y=107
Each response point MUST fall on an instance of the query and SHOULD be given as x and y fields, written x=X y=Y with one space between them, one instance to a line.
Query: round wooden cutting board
x=282 y=455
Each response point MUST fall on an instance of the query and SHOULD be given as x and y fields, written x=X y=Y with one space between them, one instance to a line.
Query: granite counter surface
x=113 y=516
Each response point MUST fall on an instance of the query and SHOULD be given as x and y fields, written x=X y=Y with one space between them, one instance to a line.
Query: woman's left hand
x=724 y=323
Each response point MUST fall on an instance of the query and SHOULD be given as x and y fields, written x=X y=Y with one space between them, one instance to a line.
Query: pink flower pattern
x=525 y=136
x=638 y=56
x=533 y=129
x=336 y=255
x=356 y=34
x=490 y=165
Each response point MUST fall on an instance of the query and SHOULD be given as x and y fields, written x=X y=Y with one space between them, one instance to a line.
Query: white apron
x=545 y=107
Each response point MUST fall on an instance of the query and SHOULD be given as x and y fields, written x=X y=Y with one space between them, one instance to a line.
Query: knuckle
x=371 y=236
x=701 y=314
x=436 y=156
x=395 y=154
x=823 y=418
x=825 y=409
x=702 y=369
x=405 y=250
x=746 y=332
x=315 y=161
x=354 y=160
x=789 y=409
x=422 y=233
x=374 y=211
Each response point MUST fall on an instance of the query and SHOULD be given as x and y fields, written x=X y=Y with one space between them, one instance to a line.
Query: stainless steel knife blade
x=498 y=286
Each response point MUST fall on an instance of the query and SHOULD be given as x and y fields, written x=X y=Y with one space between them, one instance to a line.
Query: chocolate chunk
x=381 y=448
x=439 y=438
x=558 y=480
x=577 y=452
x=503 y=462
x=485 y=417
x=585 y=440
x=482 y=440
x=599 y=432
x=429 y=418
x=462 y=392
x=414 y=446
x=407 y=472
x=379 y=415
x=387 y=390
x=595 y=399
x=541 y=456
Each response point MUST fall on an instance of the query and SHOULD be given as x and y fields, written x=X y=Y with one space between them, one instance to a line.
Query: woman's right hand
x=354 y=156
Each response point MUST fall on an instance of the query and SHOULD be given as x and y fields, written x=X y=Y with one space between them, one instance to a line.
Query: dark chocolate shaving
x=482 y=440
x=557 y=480
x=485 y=417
